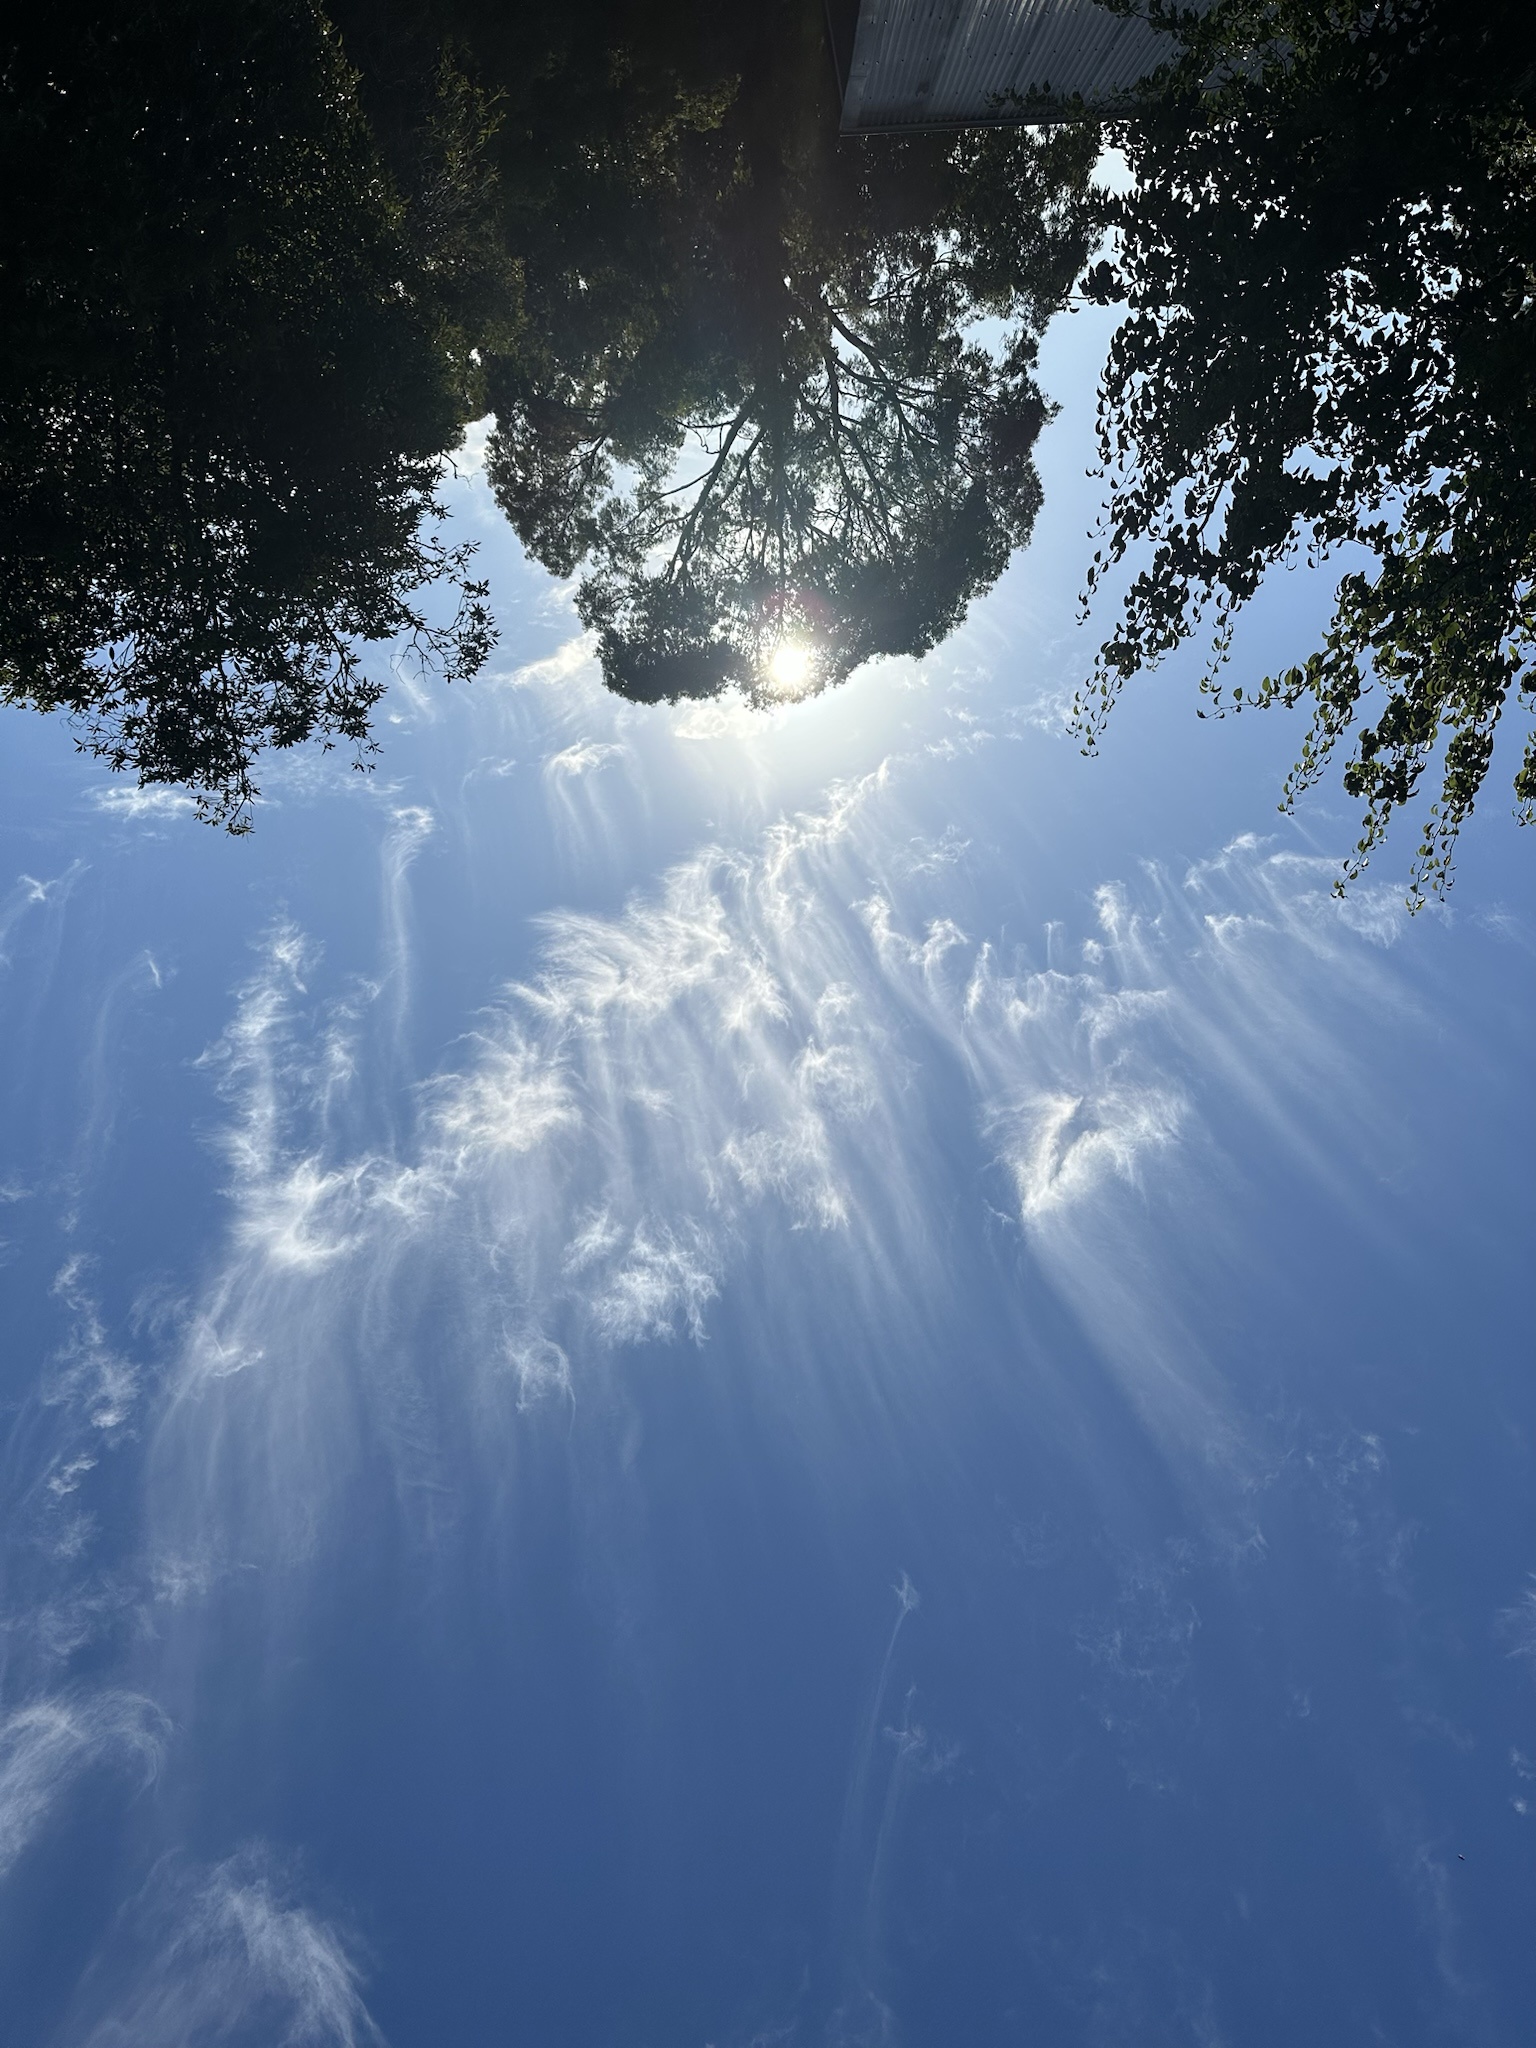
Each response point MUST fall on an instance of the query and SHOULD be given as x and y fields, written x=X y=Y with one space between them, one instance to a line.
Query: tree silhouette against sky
x=767 y=393
x=782 y=419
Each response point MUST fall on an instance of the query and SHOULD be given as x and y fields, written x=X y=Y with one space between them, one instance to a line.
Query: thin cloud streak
x=222 y=1955
x=49 y=1744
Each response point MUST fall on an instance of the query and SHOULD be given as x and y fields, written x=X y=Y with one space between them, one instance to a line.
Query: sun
x=789 y=669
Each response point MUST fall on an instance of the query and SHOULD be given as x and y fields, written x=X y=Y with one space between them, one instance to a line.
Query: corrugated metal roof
x=951 y=63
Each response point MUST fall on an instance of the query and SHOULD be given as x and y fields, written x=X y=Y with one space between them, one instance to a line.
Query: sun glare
x=789 y=668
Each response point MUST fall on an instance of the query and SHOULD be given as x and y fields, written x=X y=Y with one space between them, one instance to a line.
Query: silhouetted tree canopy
x=231 y=359
x=768 y=393
x=263 y=262
x=1328 y=259
x=758 y=407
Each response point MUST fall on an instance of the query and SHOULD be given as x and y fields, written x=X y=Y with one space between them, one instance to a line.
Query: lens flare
x=789 y=669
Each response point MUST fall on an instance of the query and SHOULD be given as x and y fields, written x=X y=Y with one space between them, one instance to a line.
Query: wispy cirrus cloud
x=48 y=1745
x=27 y=894
x=582 y=757
x=741 y=1042
x=140 y=802
x=223 y=1954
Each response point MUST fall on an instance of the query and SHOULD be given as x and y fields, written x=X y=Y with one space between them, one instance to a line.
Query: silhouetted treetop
x=754 y=398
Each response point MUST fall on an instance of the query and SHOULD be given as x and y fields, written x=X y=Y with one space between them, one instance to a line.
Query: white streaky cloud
x=1062 y=1147
x=792 y=842
x=299 y=777
x=27 y=894
x=589 y=806
x=796 y=1165
x=87 y=1398
x=1090 y=1085
x=542 y=1370
x=1067 y=1088
x=1048 y=711
x=222 y=1955
x=942 y=936
x=659 y=1284
x=494 y=770
x=583 y=757
x=864 y=1835
x=176 y=1580
x=49 y=1744
x=289 y=1207
x=572 y=657
x=210 y=1354
x=841 y=1074
x=740 y=1042
x=41 y=1642
x=303 y=1217
x=87 y=1374
x=642 y=965
x=729 y=717
x=514 y=1099
x=596 y=1235
x=955 y=746
x=933 y=856
x=68 y=1475
x=1266 y=989
x=286 y=1071
x=1378 y=912
x=100 y=1067
x=1373 y=910
x=411 y=826
x=140 y=801
x=585 y=1172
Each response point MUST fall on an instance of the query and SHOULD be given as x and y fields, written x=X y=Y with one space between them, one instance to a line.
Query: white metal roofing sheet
x=947 y=63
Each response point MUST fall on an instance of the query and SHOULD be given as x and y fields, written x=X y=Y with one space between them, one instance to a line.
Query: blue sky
x=685 y=1377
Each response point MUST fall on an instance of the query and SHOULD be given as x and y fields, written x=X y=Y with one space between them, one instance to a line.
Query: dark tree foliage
x=262 y=263
x=750 y=399
x=231 y=359
x=1328 y=261
x=854 y=472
